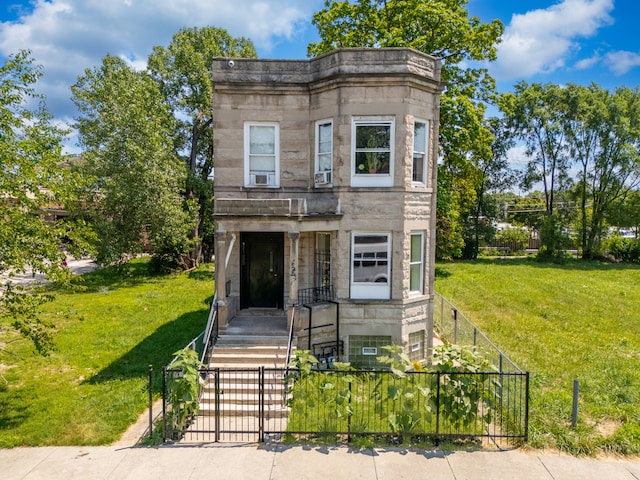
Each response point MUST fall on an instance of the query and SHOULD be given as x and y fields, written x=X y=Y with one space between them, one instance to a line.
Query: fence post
x=349 y=416
x=164 y=404
x=261 y=404
x=150 y=400
x=437 y=441
x=526 y=408
x=501 y=387
x=217 y=403
x=574 y=407
x=475 y=338
x=454 y=313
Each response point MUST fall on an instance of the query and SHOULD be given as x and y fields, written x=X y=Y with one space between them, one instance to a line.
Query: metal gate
x=235 y=405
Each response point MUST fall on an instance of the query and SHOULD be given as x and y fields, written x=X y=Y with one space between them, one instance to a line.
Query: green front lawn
x=95 y=384
x=577 y=320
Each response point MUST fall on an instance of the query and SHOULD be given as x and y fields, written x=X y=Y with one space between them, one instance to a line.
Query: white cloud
x=68 y=36
x=618 y=62
x=540 y=41
x=587 y=63
x=621 y=62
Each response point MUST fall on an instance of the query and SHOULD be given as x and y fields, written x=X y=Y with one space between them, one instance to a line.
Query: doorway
x=261 y=270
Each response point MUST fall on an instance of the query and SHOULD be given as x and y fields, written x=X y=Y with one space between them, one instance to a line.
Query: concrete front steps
x=237 y=360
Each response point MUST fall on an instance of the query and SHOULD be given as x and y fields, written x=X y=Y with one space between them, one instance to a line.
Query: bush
x=624 y=249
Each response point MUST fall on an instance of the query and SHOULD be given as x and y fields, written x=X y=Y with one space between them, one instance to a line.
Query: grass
x=575 y=320
x=95 y=384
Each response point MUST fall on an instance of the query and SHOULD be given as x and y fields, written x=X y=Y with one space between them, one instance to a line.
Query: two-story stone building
x=325 y=188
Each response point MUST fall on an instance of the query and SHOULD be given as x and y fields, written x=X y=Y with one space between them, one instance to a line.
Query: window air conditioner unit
x=261 y=179
x=322 y=178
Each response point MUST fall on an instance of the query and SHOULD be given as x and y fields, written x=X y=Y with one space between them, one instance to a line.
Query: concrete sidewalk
x=277 y=461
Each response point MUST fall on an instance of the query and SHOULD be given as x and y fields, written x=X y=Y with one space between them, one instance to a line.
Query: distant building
x=325 y=195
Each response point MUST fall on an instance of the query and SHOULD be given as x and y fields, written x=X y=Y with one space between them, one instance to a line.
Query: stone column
x=294 y=240
x=221 y=277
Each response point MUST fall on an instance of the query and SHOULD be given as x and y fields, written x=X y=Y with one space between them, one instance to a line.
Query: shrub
x=624 y=249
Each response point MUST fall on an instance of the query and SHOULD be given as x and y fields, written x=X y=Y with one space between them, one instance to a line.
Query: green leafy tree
x=33 y=178
x=536 y=113
x=183 y=72
x=625 y=212
x=603 y=133
x=444 y=29
x=136 y=195
x=496 y=175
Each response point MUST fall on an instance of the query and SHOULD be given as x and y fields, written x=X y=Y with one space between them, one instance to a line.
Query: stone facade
x=280 y=123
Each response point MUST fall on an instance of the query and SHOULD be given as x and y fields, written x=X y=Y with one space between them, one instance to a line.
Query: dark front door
x=262 y=270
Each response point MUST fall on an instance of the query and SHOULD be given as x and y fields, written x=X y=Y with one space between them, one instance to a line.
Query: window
x=324 y=153
x=323 y=260
x=416 y=345
x=370 y=266
x=416 y=264
x=372 y=152
x=261 y=154
x=420 y=147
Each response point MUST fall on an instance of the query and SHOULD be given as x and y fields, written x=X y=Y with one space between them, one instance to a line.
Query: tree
x=441 y=28
x=536 y=114
x=603 y=134
x=183 y=73
x=127 y=133
x=33 y=178
x=495 y=176
x=625 y=212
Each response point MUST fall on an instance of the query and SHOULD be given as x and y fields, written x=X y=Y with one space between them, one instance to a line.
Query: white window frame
x=422 y=152
x=318 y=154
x=415 y=290
x=370 y=288
x=364 y=178
x=249 y=175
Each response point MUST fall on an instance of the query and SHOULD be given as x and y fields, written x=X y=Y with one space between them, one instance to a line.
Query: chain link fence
x=453 y=327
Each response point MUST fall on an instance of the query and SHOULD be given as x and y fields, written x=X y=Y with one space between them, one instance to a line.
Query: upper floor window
x=261 y=155
x=420 y=148
x=324 y=153
x=372 y=152
x=370 y=265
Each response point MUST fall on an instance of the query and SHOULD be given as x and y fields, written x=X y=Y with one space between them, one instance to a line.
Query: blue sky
x=559 y=41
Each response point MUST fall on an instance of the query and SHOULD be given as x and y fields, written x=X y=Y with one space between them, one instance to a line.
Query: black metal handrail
x=211 y=330
x=291 y=330
x=310 y=296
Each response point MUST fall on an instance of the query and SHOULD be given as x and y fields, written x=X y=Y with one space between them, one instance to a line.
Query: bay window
x=371 y=266
x=420 y=148
x=372 y=149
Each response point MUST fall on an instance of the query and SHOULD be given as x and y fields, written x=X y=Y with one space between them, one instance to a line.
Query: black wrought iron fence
x=267 y=404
